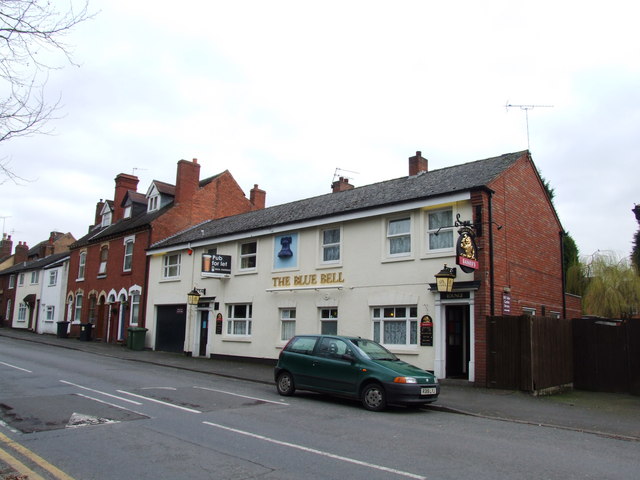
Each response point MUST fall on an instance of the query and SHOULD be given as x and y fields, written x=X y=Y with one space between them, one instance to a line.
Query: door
x=204 y=331
x=457 y=341
x=170 y=328
x=331 y=370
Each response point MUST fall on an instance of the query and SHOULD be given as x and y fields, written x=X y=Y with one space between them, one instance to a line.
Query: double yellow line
x=21 y=468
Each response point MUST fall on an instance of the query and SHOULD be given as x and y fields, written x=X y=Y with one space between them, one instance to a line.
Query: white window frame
x=171 y=269
x=35 y=277
x=134 y=307
x=327 y=246
x=439 y=230
x=12 y=281
x=381 y=315
x=391 y=237
x=239 y=326
x=287 y=323
x=8 y=312
x=127 y=212
x=244 y=259
x=21 y=279
x=128 y=241
x=82 y=264
x=102 y=269
x=153 y=203
x=106 y=218
x=50 y=315
x=77 y=308
x=328 y=316
x=22 y=312
x=53 y=278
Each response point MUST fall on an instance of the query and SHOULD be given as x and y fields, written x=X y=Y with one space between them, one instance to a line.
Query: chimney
x=124 y=183
x=99 y=207
x=187 y=180
x=418 y=164
x=341 y=185
x=257 y=197
x=6 y=246
x=21 y=253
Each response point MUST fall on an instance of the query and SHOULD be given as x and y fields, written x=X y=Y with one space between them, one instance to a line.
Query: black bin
x=63 y=330
x=85 y=331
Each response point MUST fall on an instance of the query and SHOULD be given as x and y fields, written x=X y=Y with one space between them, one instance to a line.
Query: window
x=248 y=255
x=288 y=322
x=128 y=254
x=77 y=314
x=135 y=307
x=8 y=313
x=440 y=230
x=171 y=267
x=127 y=211
x=21 y=280
x=331 y=245
x=153 y=203
x=35 y=277
x=239 y=319
x=50 y=316
x=12 y=281
x=104 y=255
x=22 y=312
x=529 y=311
x=53 y=278
x=81 y=264
x=399 y=237
x=92 y=309
x=395 y=325
x=106 y=218
x=329 y=321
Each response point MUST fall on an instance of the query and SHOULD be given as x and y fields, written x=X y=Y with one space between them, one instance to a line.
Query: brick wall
x=527 y=257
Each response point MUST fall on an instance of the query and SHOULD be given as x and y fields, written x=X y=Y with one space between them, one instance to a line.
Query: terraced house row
x=417 y=263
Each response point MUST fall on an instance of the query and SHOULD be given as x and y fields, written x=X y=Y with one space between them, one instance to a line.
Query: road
x=95 y=417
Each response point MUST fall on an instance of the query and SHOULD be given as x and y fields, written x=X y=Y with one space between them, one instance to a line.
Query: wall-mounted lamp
x=444 y=279
x=193 y=297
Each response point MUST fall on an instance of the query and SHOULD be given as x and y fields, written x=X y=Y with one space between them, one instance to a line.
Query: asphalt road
x=104 y=418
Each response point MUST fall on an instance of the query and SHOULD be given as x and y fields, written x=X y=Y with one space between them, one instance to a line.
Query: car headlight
x=405 y=380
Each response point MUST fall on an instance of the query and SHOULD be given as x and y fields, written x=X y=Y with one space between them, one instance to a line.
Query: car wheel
x=285 y=384
x=374 y=397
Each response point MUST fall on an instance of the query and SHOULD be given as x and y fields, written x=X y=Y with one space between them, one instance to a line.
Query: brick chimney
x=99 y=207
x=257 y=197
x=124 y=183
x=418 y=164
x=341 y=185
x=6 y=246
x=187 y=180
x=21 y=253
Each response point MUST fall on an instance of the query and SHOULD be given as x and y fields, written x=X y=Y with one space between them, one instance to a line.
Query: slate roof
x=36 y=264
x=458 y=178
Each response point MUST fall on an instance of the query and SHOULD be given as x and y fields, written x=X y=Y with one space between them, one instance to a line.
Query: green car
x=355 y=368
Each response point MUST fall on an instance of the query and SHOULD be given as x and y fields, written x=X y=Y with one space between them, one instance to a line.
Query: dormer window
x=127 y=211
x=153 y=203
x=106 y=219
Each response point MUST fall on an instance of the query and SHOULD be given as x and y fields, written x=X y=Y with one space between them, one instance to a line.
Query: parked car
x=352 y=367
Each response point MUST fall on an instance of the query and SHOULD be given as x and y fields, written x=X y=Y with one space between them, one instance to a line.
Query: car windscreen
x=373 y=350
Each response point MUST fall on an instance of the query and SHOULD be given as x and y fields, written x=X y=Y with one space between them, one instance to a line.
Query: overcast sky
x=281 y=93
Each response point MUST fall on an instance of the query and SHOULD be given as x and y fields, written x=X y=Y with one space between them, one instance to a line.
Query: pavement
x=613 y=415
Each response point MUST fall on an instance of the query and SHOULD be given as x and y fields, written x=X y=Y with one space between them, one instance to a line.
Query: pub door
x=204 y=331
x=458 y=341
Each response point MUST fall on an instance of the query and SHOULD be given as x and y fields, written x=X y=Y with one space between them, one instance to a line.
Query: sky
x=285 y=94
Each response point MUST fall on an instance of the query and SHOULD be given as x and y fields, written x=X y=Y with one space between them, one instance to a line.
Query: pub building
x=416 y=263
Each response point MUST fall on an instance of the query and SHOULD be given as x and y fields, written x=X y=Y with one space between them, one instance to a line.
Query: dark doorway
x=204 y=331
x=170 y=328
x=457 y=348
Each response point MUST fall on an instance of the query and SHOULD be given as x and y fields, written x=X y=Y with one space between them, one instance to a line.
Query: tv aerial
x=526 y=109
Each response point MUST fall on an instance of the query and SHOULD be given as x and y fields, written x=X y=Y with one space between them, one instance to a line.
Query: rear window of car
x=303 y=345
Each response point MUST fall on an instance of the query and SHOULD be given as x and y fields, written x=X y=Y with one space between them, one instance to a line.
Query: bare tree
x=30 y=31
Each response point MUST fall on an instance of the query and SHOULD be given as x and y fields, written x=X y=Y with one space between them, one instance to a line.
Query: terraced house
x=374 y=261
x=108 y=266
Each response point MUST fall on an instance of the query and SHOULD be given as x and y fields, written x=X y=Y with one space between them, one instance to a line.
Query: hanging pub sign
x=426 y=331
x=466 y=250
x=216 y=265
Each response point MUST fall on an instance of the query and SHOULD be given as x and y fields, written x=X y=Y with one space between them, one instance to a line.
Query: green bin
x=135 y=338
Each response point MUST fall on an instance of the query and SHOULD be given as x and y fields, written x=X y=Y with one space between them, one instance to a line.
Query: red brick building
x=108 y=266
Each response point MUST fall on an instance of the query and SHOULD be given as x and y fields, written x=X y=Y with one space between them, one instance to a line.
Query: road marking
x=191 y=410
x=319 y=452
x=242 y=396
x=17 y=368
x=101 y=393
x=41 y=462
x=110 y=404
x=18 y=466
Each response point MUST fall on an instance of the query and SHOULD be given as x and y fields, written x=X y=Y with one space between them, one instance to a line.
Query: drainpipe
x=492 y=287
x=564 y=278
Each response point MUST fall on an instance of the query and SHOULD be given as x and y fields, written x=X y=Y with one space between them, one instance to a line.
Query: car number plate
x=428 y=391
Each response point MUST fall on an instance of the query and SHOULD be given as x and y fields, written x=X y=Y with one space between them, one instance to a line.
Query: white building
x=52 y=295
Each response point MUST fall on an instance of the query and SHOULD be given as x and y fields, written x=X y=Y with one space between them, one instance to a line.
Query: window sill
x=409 y=258
x=247 y=272
x=329 y=265
x=398 y=351
x=169 y=280
x=237 y=340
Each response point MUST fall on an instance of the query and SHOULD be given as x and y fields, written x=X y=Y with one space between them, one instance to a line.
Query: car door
x=332 y=371
x=298 y=359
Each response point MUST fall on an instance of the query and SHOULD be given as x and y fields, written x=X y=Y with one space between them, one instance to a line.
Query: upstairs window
x=12 y=281
x=171 y=266
x=440 y=230
x=106 y=218
x=248 y=256
x=104 y=255
x=127 y=211
x=399 y=237
x=153 y=203
x=81 y=264
x=53 y=278
x=330 y=239
x=128 y=254
x=21 y=280
x=35 y=277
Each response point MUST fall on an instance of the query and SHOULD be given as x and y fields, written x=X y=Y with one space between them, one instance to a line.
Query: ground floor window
x=51 y=310
x=329 y=321
x=288 y=323
x=239 y=319
x=395 y=325
x=22 y=312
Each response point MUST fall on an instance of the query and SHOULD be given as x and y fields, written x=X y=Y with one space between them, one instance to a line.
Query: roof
x=37 y=264
x=458 y=178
